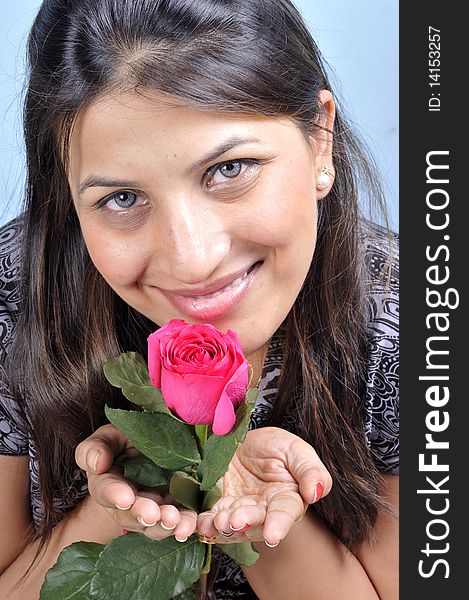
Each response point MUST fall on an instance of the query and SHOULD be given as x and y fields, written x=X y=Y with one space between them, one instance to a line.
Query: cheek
x=119 y=261
x=284 y=213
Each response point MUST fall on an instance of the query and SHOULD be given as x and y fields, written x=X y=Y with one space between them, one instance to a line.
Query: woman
x=187 y=160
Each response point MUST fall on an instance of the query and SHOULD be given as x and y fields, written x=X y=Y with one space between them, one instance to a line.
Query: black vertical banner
x=434 y=225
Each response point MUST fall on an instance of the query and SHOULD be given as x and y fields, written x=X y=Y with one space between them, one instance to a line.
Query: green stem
x=202 y=584
x=208 y=560
x=202 y=588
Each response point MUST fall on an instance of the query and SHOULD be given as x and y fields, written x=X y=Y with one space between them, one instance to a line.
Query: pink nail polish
x=124 y=531
x=318 y=492
x=241 y=529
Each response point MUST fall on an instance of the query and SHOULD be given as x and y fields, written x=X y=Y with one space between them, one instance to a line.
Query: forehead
x=138 y=116
x=138 y=131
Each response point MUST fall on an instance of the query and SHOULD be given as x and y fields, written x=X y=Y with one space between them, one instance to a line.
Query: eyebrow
x=229 y=144
x=97 y=181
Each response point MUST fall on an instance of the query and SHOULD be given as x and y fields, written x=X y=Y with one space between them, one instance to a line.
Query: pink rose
x=202 y=373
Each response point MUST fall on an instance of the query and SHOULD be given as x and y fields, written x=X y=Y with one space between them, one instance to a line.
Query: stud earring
x=325 y=178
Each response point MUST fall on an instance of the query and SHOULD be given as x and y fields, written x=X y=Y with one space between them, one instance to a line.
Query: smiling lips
x=212 y=305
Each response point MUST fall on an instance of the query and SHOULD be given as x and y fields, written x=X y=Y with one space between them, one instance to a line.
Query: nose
x=195 y=241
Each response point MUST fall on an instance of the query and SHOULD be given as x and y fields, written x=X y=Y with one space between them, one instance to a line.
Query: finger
x=145 y=512
x=111 y=490
x=224 y=503
x=170 y=517
x=187 y=525
x=227 y=521
x=240 y=521
x=246 y=517
x=253 y=534
x=205 y=526
x=205 y=523
x=148 y=512
x=96 y=454
x=156 y=530
x=307 y=468
x=283 y=511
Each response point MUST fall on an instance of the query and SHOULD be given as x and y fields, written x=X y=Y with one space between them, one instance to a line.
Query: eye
x=122 y=201
x=231 y=170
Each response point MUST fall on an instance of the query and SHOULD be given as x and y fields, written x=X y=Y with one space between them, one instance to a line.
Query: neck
x=256 y=360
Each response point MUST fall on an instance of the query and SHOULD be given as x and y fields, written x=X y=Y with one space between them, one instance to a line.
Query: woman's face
x=196 y=215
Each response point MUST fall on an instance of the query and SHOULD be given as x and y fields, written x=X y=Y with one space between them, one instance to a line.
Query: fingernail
x=124 y=531
x=271 y=545
x=94 y=457
x=318 y=491
x=145 y=524
x=240 y=529
x=229 y=534
x=178 y=540
x=168 y=528
x=123 y=507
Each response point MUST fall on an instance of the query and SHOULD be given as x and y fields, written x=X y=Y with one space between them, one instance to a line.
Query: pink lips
x=214 y=304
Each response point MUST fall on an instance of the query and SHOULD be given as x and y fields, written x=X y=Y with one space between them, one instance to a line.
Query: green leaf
x=71 y=575
x=167 y=442
x=186 y=490
x=189 y=594
x=212 y=496
x=135 y=567
x=130 y=373
x=219 y=449
x=144 y=471
x=242 y=553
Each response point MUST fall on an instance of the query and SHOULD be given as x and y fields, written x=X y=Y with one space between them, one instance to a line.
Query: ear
x=321 y=142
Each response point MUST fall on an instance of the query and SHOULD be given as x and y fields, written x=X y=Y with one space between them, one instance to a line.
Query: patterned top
x=381 y=398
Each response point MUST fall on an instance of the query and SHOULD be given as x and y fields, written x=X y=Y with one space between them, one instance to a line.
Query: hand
x=150 y=511
x=272 y=478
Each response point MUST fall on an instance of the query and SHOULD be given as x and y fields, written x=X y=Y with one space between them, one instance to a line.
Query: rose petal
x=156 y=342
x=237 y=387
x=192 y=397
x=154 y=360
x=225 y=417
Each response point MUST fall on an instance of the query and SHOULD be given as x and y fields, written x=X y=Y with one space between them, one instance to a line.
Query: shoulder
x=10 y=237
x=381 y=280
x=13 y=439
x=381 y=275
x=380 y=248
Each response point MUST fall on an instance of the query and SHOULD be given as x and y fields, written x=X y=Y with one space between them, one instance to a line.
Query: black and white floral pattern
x=381 y=399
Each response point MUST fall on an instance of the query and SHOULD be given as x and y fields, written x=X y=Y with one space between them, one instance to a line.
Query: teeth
x=236 y=281
x=233 y=284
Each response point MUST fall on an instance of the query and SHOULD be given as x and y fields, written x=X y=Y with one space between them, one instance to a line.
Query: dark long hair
x=237 y=56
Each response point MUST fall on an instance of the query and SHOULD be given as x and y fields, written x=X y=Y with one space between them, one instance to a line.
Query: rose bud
x=202 y=373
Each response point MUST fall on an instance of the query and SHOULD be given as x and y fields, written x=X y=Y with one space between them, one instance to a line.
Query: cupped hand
x=272 y=478
x=150 y=511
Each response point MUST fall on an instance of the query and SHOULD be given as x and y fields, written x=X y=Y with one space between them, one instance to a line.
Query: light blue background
x=358 y=38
